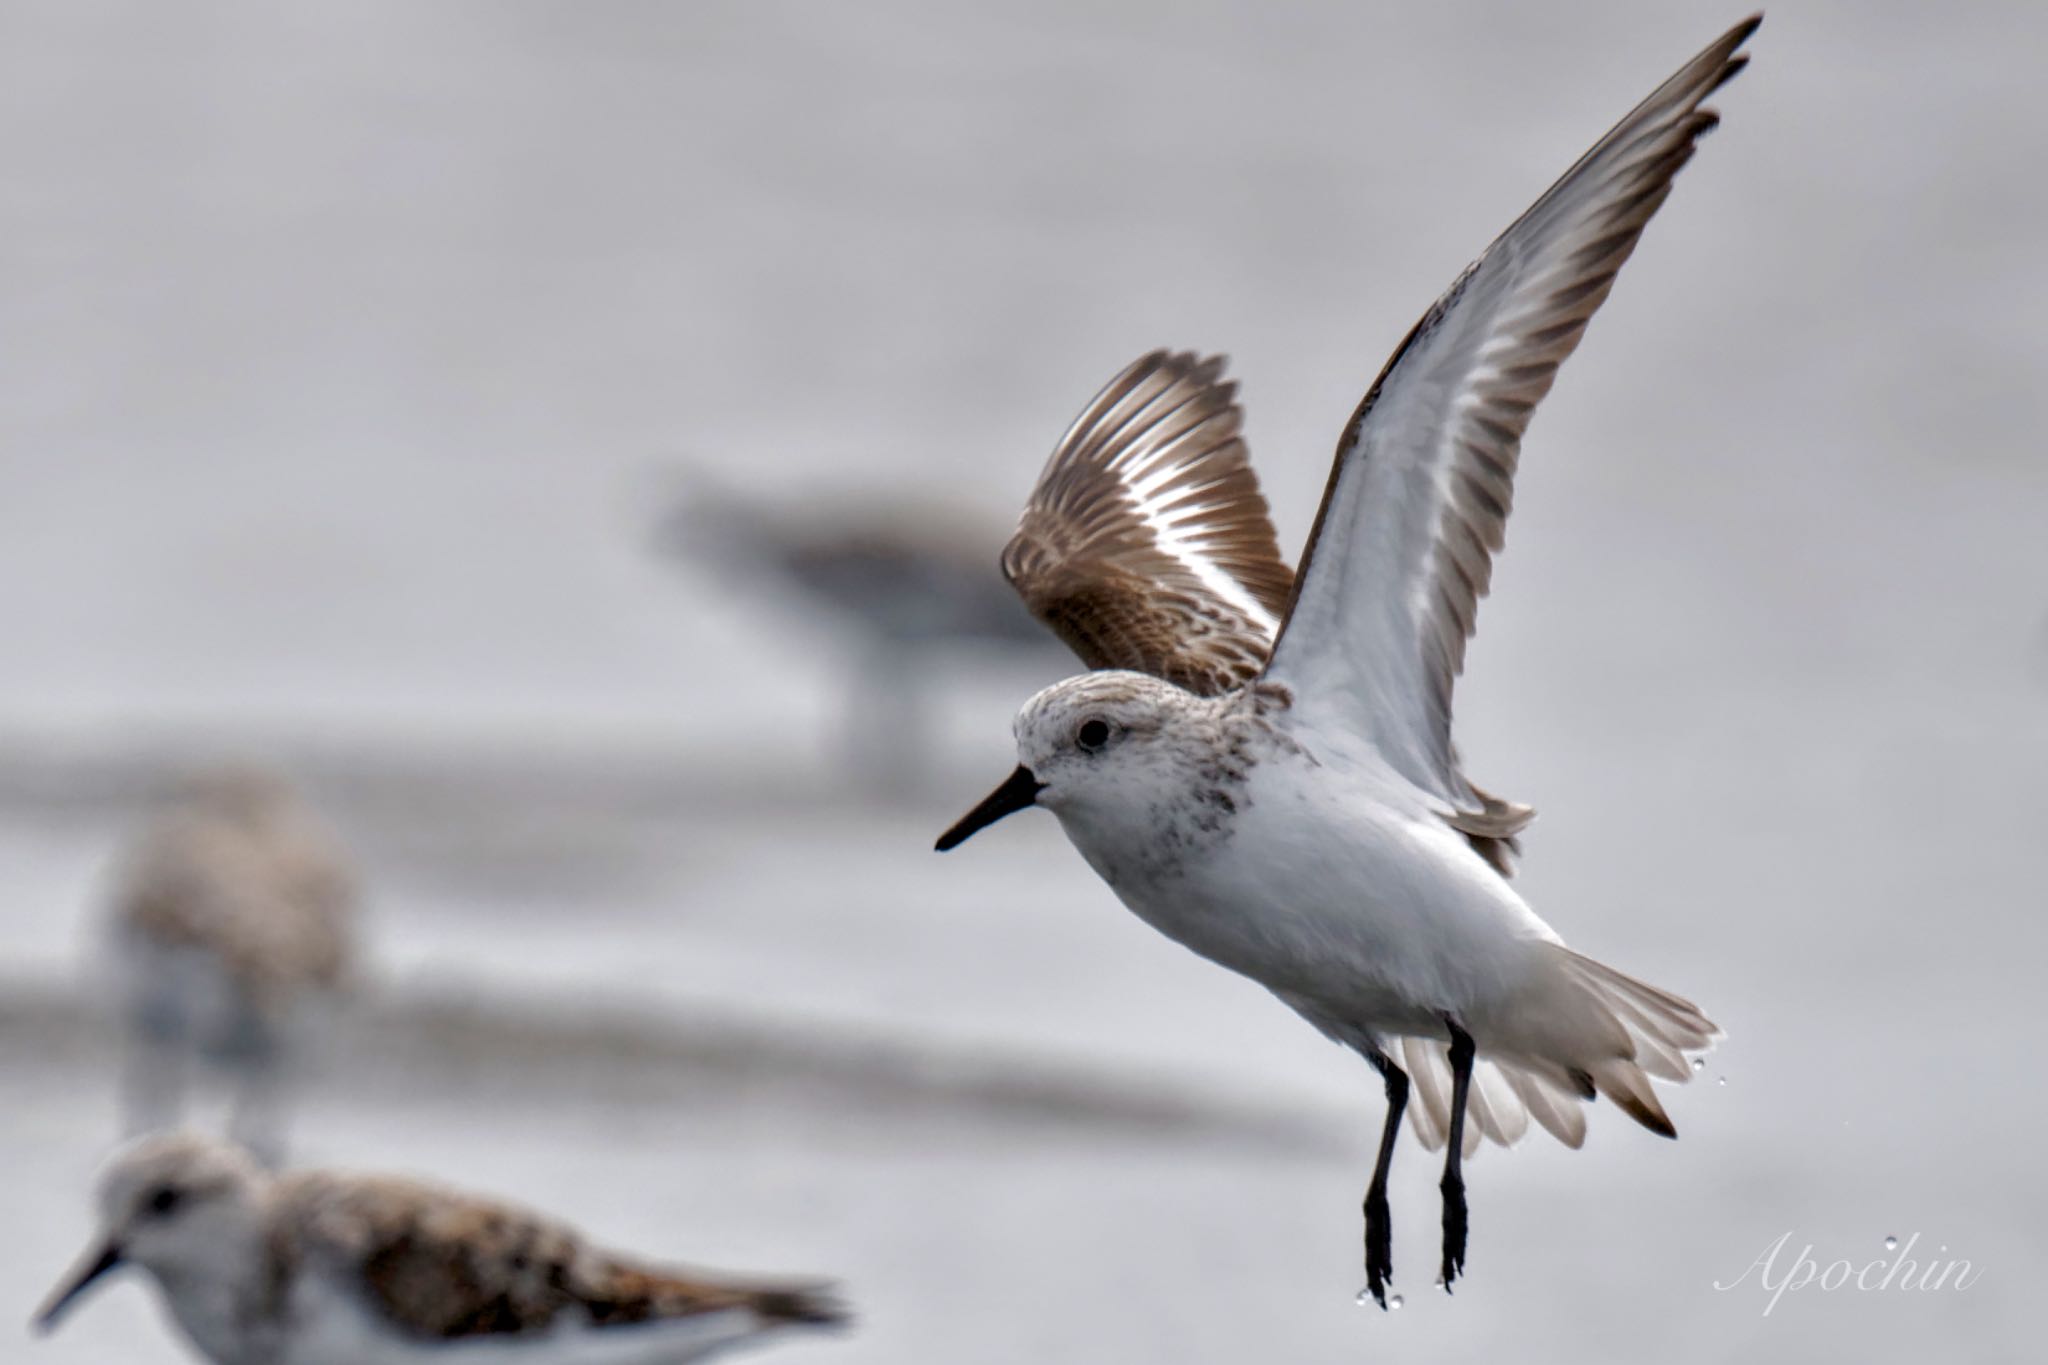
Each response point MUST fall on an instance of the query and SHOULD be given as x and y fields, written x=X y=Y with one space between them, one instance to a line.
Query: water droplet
x=1699 y=1064
x=1396 y=1301
x=1720 y=1080
x=1364 y=1299
x=1891 y=1244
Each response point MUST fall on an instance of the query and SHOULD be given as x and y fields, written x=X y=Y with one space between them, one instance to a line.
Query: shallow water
x=352 y=348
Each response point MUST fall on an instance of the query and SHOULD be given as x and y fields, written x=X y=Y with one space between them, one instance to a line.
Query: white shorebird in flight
x=1263 y=769
x=333 y=1268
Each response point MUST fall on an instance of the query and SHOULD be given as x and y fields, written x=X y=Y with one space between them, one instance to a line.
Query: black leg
x=1454 y=1177
x=1379 y=1220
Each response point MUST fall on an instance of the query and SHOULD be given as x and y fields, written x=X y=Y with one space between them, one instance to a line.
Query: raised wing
x=1146 y=544
x=1418 y=498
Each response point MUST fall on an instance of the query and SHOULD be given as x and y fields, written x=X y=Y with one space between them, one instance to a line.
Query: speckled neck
x=1185 y=804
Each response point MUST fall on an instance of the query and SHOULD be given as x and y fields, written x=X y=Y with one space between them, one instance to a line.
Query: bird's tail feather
x=1617 y=1030
x=1505 y=1095
x=1661 y=1027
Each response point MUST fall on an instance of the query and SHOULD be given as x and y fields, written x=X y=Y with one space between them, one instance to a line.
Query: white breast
x=1336 y=884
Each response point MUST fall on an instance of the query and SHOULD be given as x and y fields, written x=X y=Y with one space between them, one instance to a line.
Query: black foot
x=1379 y=1246
x=1454 y=1230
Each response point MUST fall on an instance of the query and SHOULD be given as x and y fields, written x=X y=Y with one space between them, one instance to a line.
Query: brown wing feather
x=1115 y=618
x=1147 y=544
x=442 y=1265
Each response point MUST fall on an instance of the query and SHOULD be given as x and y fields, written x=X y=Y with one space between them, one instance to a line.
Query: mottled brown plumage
x=239 y=869
x=233 y=937
x=1146 y=544
x=320 y=1267
x=441 y=1264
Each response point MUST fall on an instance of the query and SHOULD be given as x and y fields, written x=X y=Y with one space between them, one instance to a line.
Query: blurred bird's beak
x=74 y=1283
x=1018 y=791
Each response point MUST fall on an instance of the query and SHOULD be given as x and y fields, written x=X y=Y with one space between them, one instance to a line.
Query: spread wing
x=1146 y=544
x=1418 y=498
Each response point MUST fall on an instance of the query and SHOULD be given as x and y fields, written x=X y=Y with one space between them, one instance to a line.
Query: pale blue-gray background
x=345 y=349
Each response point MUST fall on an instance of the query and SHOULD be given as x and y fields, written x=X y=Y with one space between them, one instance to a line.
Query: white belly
x=1330 y=893
x=333 y=1328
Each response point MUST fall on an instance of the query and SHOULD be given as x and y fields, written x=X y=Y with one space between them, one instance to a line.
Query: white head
x=179 y=1205
x=1095 y=747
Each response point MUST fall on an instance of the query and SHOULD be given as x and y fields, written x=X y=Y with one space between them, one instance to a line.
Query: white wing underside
x=1423 y=480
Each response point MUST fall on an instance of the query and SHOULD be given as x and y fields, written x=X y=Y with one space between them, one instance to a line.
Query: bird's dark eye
x=163 y=1200
x=1093 y=734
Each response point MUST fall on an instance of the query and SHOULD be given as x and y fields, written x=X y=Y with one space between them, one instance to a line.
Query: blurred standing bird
x=232 y=939
x=910 y=585
x=335 y=1268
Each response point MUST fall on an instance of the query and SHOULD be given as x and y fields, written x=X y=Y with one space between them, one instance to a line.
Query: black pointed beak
x=1019 y=790
x=73 y=1284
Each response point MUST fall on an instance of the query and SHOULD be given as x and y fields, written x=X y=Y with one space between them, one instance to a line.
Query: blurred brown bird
x=233 y=937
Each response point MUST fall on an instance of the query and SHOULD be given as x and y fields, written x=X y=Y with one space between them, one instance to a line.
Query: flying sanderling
x=1264 y=772
x=232 y=938
x=330 y=1268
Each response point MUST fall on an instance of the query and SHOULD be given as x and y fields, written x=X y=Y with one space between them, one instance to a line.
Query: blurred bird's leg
x=261 y=1106
x=1379 y=1221
x=882 y=734
x=1462 y=1052
x=153 y=1075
